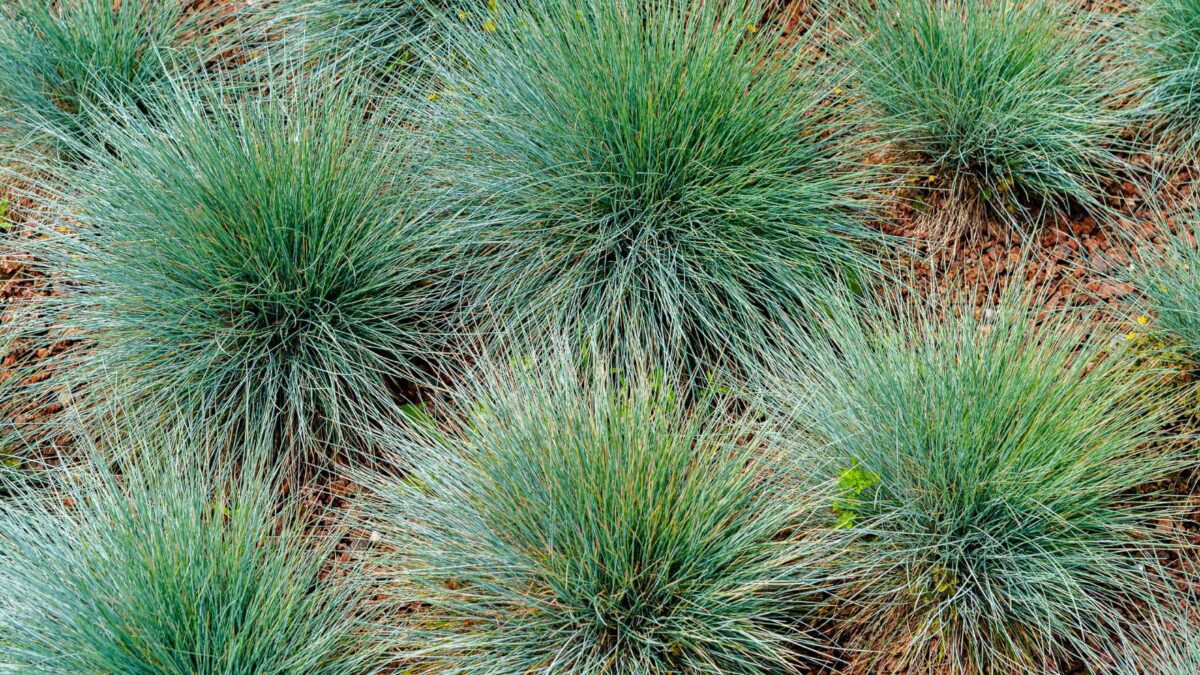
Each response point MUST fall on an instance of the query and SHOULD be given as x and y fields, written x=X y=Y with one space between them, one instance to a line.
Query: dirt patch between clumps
x=33 y=357
x=1074 y=259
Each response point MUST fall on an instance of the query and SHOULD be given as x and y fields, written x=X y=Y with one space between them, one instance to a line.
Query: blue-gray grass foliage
x=1166 y=276
x=170 y=565
x=1013 y=102
x=1170 y=34
x=667 y=174
x=255 y=260
x=61 y=63
x=584 y=520
x=1001 y=474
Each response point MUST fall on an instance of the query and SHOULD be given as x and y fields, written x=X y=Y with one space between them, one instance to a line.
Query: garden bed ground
x=1074 y=260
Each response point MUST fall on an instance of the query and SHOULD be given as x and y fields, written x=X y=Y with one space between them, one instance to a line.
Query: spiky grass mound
x=1009 y=101
x=172 y=568
x=594 y=524
x=61 y=61
x=1166 y=277
x=1171 y=35
x=665 y=170
x=254 y=261
x=992 y=466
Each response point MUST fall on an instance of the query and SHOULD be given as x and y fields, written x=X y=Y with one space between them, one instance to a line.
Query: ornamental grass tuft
x=61 y=62
x=1011 y=102
x=584 y=520
x=669 y=175
x=258 y=261
x=1171 y=60
x=1004 y=482
x=168 y=566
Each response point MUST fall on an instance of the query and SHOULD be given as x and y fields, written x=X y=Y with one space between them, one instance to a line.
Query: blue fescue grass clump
x=380 y=30
x=1000 y=481
x=60 y=60
x=665 y=170
x=168 y=566
x=1167 y=278
x=1170 y=32
x=254 y=260
x=586 y=521
x=1009 y=101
